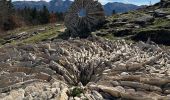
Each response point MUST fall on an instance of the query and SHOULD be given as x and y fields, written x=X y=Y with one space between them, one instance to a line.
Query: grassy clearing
x=110 y=37
x=42 y=36
x=160 y=23
x=51 y=30
x=25 y=28
x=76 y=92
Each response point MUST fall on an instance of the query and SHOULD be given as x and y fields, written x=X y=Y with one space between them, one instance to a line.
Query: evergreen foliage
x=11 y=18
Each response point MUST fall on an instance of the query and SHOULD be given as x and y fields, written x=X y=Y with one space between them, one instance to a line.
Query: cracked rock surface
x=101 y=69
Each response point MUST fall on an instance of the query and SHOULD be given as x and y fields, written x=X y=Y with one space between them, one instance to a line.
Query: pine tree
x=34 y=16
x=44 y=15
x=52 y=18
x=60 y=16
x=26 y=14
x=5 y=14
x=113 y=12
x=34 y=13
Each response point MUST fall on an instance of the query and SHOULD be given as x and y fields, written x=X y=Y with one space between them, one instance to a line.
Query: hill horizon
x=143 y=2
x=63 y=5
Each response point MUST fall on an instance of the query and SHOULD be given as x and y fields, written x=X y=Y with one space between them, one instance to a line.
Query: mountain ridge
x=62 y=6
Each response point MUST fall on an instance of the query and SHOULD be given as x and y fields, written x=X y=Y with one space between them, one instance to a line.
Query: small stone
x=30 y=90
x=56 y=85
x=120 y=88
x=41 y=29
x=115 y=92
x=34 y=94
x=2 y=95
x=53 y=90
x=63 y=95
x=80 y=85
x=28 y=97
x=168 y=17
x=71 y=98
x=124 y=73
x=23 y=33
x=168 y=95
x=82 y=97
x=77 y=98
x=130 y=90
x=49 y=94
x=43 y=96
x=115 y=83
x=25 y=64
x=97 y=95
x=8 y=98
x=167 y=91
x=17 y=94
x=89 y=97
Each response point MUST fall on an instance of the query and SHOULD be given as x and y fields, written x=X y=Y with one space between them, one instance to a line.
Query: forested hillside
x=12 y=18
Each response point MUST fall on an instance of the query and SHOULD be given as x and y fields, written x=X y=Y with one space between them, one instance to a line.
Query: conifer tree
x=44 y=15
x=33 y=15
x=113 y=12
x=5 y=14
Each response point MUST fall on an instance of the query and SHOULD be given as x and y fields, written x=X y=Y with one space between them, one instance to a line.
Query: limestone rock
x=103 y=69
x=168 y=17
x=97 y=95
x=160 y=13
x=144 y=19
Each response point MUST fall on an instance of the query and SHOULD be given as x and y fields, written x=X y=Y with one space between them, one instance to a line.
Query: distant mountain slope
x=32 y=4
x=53 y=5
x=119 y=7
x=62 y=6
x=59 y=5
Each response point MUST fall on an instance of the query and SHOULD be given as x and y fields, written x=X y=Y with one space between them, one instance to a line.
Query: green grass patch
x=50 y=32
x=42 y=36
x=76 y=92
x=158 y=23
x=110 y=37
x=25 y=28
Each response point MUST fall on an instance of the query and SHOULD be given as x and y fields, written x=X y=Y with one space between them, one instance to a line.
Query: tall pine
x=5 y=14
x=33 y=16
x=44 y=15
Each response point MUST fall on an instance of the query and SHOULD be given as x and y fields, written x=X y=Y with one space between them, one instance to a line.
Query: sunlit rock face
x=93 y=69
x=165 y=3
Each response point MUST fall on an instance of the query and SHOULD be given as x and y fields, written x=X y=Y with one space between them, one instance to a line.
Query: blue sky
x=137 y=2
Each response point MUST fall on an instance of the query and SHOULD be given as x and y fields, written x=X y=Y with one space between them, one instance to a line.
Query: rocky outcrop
x=165 y=3
x=151 y=22
x=144 y=20
x=93 y=69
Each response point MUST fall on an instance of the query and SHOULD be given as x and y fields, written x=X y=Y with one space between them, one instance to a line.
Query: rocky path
x=80 y=69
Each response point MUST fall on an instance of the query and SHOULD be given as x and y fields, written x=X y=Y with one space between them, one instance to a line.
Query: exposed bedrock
x=93 y=69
